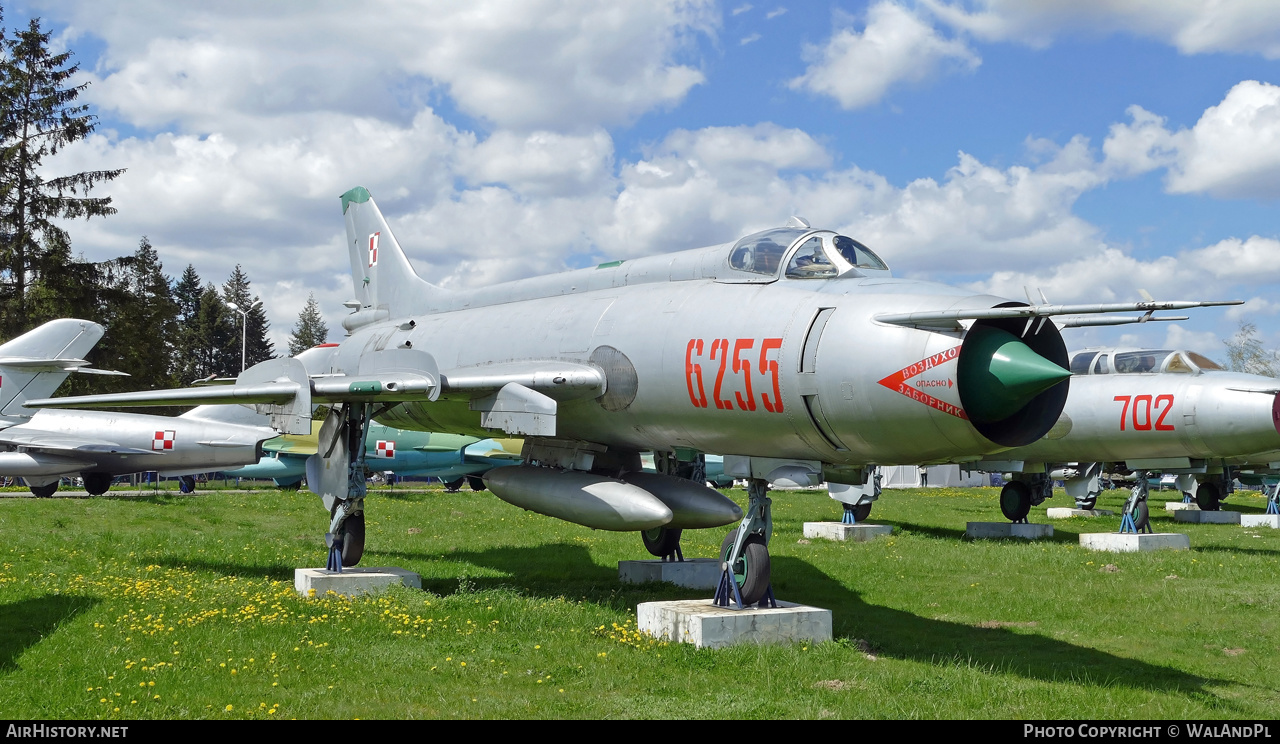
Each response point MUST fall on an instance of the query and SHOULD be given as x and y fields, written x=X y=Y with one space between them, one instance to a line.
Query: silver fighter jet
x=41 y=447
x=1160 y=410
x=794 y=352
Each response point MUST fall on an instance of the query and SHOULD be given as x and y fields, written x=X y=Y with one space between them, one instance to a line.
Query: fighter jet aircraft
x=44 y=446
x=1162 y=410
x=792 y=351
x=452 y=458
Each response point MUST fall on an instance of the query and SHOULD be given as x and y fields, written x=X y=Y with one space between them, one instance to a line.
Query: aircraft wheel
x=751 y=572
x=862 y=511
x=1015 y=501
x=96 y=483
x=476 y=483
x=1088 y=503
x=294 y=486
x=1208 y=496
x=661 y=541
x=1141 y=516
x=45 y=491
x=352 y=540
x=454 y=485
x=187 y=483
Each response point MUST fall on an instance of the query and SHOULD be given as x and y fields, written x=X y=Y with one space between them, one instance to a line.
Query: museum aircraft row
x=794 y=352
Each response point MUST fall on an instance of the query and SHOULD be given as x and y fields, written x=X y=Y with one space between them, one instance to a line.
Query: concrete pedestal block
x=1062 y=512
x=701 y=623
x=1174 y=506
x=981 y=530
x=849 y=532
x=1115 y=542
x=694 y=573
x=1207 y=517
x=1260 y=520
x=352 y=581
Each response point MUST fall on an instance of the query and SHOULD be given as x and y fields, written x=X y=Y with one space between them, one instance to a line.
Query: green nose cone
x=1000 y=374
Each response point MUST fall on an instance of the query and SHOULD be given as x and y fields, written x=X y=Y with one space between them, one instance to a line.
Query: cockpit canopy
x=1138 y=361
x=807 y=254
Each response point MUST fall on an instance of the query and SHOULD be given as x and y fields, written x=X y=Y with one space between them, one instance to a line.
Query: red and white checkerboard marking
x=373 y=249
x=163 y=440
x=386 y=449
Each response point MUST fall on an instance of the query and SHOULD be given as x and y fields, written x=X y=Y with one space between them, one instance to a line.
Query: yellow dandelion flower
x=228 y=708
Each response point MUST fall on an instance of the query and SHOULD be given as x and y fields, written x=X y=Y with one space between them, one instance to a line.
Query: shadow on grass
x=559 y=569
x=278 y=572
x=25 y=623
x=903 y=635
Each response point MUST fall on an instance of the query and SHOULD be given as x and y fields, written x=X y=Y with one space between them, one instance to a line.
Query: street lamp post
x=244 y=332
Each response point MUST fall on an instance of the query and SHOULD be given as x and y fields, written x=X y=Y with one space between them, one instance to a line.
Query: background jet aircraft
x=43 y=446
x=1172 y=411
x=793 y=351
x=450 y=457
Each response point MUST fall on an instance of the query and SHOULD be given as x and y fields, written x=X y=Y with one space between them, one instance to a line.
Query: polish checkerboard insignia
x=163 y=440
x=386 y=449
x=373 y=249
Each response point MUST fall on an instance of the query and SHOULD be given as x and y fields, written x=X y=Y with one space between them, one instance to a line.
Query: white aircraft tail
x=34 y=364
x=385 y=283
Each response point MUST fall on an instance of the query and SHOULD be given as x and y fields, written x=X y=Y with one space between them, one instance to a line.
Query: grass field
x=175 y=606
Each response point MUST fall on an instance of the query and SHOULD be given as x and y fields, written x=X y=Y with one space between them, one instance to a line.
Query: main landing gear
x=1018 y=496
x=664 y=543
x=340 y=478
x=744 y=580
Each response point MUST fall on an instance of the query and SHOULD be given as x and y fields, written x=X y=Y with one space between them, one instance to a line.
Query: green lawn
x=183 y=606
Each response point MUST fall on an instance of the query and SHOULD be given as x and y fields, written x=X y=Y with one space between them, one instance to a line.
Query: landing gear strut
x=744 y=579
x=339 y=473
x=664 y=543
x=1136 y=517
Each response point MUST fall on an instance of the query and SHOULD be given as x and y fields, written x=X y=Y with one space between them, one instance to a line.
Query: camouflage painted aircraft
x=453 y=458
x=42 y=447
x=793 y=352
x=1162 y=410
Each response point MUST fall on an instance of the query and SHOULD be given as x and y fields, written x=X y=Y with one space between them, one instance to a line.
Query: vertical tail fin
x=34 y=364
x=385 y=282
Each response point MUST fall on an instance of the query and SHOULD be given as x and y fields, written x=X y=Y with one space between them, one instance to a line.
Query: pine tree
x=144 y=323
x=258 y=348
x=186 y=295
x=38 y=117
x=310 y=330
x=215 y=342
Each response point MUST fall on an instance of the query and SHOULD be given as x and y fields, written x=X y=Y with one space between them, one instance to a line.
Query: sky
x=1088 y=149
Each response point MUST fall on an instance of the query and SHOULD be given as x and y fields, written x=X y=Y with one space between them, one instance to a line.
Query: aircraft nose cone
x=1001 y=374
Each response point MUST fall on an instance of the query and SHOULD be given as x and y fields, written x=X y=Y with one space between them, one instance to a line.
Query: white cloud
x=1232 y=151
x=518 y=63
x=741 y=9
x=896 y=46
x=1192 y=26
x=774 y=13
x=542 y=163
x=748 y=39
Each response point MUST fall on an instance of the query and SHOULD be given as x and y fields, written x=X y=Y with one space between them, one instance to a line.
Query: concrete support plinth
x=1260 y=520
x=701 y=623
x=849 y=532
x=1207 y=517
x=352 y=581
x=694 y=573
x=1174 y=506
x=1115 y=542
x=1062 y=512
x=988 y=530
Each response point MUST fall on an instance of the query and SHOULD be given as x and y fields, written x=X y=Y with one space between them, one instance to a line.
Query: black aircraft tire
x=294 y=486
x=862 y=511
x=1141 y=516
x=476 y=483
x=187 y=483
x=96 y=483
x=44 y=492
x=753 y=581
x=352 y=540
x=1208 y=497
x=1015 y=501
x=661 y=541
x=1088 y=503
x=454 y=485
